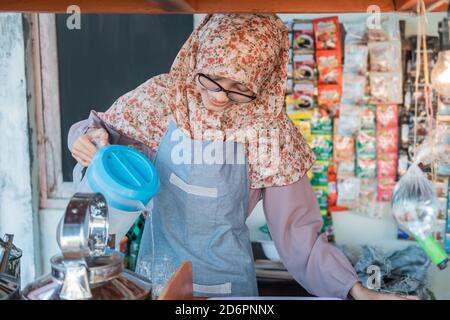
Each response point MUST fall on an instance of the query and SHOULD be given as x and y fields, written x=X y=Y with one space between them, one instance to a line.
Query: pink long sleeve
x=294 y=221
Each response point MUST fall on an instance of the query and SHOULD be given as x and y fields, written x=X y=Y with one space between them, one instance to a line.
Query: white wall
x=16 y=201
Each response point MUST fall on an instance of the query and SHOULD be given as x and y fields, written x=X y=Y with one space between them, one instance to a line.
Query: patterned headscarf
x=251 y=49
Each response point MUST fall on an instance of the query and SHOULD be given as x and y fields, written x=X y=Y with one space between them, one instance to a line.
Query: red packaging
x=329 y=66
x=387 y=141
x=387 y=116
x=387 y=166
x=328 y=95
x=386 y=186
x=327 y=33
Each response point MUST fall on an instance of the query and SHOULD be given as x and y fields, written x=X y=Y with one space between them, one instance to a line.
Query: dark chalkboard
x=110 y=55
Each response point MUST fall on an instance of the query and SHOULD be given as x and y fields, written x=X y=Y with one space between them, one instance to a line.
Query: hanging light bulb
x=440 y=76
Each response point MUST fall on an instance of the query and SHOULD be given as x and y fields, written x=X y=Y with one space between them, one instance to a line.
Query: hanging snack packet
x=300 y=100
x=343 y=147
x=387 y=116
x=320 y=173
x=326 y=32
x=304 y=67
x=386 y=87
x=387 y=141
x=329 y=95
x=387 y=166
x=349 y=120
x=322 y=145
x=356 y=32
x=346 y=169
x=385 y=56
x=366 y=168
x=389 y=29
x=367 y=198
x=355 y=59
x=353 y=89
x=303 y=35
x=386 y=187
x=348 y=192
x=366 y=146
x=321 y=123
x=329 y=67
x=367 y=116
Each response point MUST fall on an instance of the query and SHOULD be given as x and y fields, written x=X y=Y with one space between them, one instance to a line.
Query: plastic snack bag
x=349 y=122
x=355 y=59
x=304 y=67
x=329 y=67
x=348 y=192
x=329 y=95
x=387 y=116
x=356 y=32
x=368 y=116
x=386 y=87
x=389 y=29
x=326 y=32
x=385 y=56
x=303 y=35
x=353 y=89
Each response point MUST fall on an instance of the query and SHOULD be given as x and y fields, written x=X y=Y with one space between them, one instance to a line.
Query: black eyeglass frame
x=220 y=88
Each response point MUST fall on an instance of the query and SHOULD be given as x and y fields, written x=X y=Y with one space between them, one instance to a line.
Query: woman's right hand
x=84 y=147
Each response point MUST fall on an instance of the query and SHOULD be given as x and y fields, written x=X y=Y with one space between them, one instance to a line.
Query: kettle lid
x=123 y=175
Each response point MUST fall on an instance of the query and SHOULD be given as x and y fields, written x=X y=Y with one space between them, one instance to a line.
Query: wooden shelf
x=211 y=6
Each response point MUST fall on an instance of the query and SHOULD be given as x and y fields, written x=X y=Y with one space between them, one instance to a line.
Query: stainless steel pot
x=83 y=270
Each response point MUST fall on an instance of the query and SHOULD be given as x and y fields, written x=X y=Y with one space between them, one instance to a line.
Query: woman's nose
x=219 y=97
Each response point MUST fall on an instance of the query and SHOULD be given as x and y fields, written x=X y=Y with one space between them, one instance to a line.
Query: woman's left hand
x=358 y=292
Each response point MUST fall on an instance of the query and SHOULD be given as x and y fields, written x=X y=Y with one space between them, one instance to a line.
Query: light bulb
x=440 y=76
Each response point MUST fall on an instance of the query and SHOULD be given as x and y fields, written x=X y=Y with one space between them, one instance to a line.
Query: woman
x=225 y=91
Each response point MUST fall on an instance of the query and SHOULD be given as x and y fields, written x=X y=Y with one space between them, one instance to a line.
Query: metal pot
x=9 y=285
x=84 y=270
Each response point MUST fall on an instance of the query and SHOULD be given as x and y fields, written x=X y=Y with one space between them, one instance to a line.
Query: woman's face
x=218 y=100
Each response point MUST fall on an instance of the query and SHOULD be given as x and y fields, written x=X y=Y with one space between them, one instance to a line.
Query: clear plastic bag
x=349 y=120
x=355 y=60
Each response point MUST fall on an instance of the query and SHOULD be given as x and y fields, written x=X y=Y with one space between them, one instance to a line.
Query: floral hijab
x=248 y=48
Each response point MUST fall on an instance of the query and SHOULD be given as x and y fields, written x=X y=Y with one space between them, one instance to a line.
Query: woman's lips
x=218 y=104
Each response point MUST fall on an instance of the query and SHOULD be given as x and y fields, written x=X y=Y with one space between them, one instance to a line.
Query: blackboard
x=110 y=55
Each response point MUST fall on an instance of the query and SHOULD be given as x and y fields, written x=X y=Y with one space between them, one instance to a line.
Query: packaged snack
x=322 y=145
x=386 y=186
x=385 y=56
x=387 y=166
x=343 y=147
x=366 y=168
x=329 y=66
x=367 y=118
x=304 y=67
x=326 y=32
x=386 y=87
x=305 y=129
x=300 y=100
x=366 y=144
x=389 y=29
x=356 y=32
x=321 y=123
x=387 y=141
x=332 y=186
x=387 y=116
x=367 y=198
x=328 y=95
x=346 y=169
x=355 y=59
x=349 y=120
x=303 y=35
x=353 y=89
x=320 y=173
x=348 y=192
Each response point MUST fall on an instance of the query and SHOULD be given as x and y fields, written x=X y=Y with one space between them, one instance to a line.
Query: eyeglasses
x=211 y=85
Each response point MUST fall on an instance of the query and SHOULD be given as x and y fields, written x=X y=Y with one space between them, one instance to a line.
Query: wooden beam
x=411 y=5
x=174 y=5
x=198 y=6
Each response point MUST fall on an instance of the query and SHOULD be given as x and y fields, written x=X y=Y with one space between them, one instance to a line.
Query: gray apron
x=199 y=215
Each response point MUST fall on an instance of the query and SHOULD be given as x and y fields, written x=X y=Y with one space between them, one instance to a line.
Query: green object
x=434 y=251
